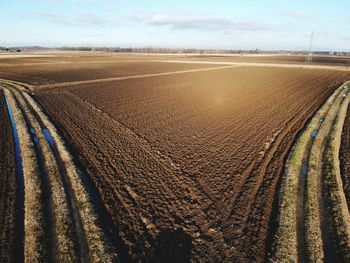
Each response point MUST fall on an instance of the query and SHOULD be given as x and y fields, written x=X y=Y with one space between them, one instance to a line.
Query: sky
x=220 y=24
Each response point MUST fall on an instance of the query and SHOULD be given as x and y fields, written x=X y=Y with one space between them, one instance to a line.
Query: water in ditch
x=48 y=137
x=20 y=182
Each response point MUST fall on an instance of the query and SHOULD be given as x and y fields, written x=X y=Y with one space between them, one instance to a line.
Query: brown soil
x=282 y=59
x=189 y=164
x=77 y=66
x=37 y=73
x=8 y=188
x=92 y=57
x=344 y=156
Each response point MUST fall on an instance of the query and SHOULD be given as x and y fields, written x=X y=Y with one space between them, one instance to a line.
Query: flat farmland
x=276 y=59
x=53 y=71
x=187 y=165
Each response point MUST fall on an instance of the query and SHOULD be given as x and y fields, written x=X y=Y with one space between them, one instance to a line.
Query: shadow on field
x=172 y=246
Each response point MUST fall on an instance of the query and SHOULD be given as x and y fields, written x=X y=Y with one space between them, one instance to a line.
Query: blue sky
x=228 y=24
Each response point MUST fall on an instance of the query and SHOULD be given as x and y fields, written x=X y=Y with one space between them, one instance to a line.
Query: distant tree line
x=173 y=50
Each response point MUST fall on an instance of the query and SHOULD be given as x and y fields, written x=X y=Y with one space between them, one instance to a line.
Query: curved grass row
x=336 y=205
x=285 y=245
x=35 y=248
x=314 y=245
x=64 y=240
x=99 y=248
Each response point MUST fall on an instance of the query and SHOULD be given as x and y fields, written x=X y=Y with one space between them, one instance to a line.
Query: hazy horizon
x=267 y=25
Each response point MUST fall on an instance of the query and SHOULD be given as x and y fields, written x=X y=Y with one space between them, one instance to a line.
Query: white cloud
x=200 y=22
x=80 y=19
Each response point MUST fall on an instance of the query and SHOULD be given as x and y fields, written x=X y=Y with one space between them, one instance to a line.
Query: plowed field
x=55 y=71
x=52 y=67
x=188 y=165
x=280 y=59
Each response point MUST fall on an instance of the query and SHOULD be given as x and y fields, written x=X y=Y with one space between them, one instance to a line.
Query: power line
x=309 y=56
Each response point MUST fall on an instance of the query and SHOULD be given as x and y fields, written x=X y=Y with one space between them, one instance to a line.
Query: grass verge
x=35 y=249
x=285 y=245
x=336 y=205
x=63 y=224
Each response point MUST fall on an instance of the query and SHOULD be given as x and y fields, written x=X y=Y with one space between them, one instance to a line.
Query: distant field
x=49 y=73
x=280 y=59
x=73 y=66
x=187 y=164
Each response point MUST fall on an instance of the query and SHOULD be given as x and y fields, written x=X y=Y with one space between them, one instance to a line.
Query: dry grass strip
x=314 y=242
x=285 y=245
x=35 y=249
x=63 y=224
x=336 y=205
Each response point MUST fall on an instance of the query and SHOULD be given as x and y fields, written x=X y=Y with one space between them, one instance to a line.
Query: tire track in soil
x=301 y=192
x=289 y=143
x=80 y=193
x=259 y=186
x=50 y=215
x=219 y=204
x=79 y=229
x=48 y=205
x=259 y=207
x=330 y=253
x=11 y=188
x=79 y=233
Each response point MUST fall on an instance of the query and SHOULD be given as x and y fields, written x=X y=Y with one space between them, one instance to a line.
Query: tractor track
x=47 y=200
x=301 y=199
x=56 y=186
x=79 y=235
x=11 y=188
x=314 y=240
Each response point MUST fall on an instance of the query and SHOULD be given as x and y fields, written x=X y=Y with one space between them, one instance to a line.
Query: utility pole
x=309 y=56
